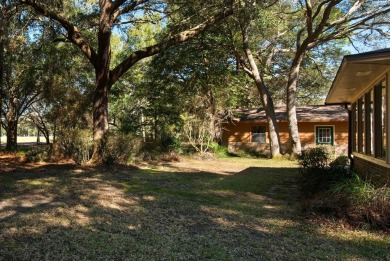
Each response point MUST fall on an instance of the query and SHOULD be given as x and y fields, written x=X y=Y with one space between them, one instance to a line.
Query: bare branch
x=353 y=45
x=247 y=71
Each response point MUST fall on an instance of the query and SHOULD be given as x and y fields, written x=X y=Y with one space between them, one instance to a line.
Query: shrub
x=37 y=153
x=318 y=170
x=314 y=159
x=197 y=131
x=283 y=157
x=121 y=148
x=340 y=162
x=218 y=150
x=340 y=167
x=149 y=151
x=76 y=144
x=330 y=188
x=170 y=144
x=247 y=153
x=365 y=202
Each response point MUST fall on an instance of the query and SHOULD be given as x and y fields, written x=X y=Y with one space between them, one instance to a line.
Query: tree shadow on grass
x=69 y=213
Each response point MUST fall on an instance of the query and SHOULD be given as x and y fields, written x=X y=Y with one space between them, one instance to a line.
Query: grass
x=227 y=209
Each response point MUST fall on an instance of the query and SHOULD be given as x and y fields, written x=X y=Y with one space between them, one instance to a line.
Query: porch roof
x=355 y=73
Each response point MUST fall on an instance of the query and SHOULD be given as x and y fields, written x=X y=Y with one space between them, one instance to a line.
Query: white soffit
x=356 y=73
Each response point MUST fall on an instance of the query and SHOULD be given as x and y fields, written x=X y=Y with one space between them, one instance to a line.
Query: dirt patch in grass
x=229 y=209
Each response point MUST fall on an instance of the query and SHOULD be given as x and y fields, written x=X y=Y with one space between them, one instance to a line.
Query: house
x=318 y=125
x=362 y=83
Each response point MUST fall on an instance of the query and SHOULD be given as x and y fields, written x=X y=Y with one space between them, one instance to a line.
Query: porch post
x=350 y=122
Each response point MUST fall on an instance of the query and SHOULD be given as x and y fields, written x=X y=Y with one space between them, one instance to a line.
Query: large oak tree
x=106 y=15
x=251 y=34
x=315 y=23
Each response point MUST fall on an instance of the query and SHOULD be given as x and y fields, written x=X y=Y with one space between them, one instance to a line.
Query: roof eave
x=364 y=60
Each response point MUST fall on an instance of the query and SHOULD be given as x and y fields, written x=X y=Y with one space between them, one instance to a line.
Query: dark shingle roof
x=314 y=113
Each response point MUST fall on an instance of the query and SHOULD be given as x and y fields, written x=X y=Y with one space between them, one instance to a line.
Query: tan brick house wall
x=238 y=135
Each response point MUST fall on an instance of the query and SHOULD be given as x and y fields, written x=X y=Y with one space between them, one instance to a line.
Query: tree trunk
x=103 y=84
x=55 y=132
x=212 y=113
x=2 y=63
x=143 y=126
x=46 y=134
x=12 y=132
x=12 y=123
x=100 y=121
x=38 y=136
x=269 y=109
x=291 y=104
x=12 y=115
x=266 y=101
x=155 y=125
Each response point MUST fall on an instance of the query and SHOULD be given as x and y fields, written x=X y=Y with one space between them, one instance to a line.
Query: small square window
x=258 y=134
x=324 y=135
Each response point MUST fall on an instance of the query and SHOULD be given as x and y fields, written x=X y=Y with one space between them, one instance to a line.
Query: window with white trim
x=258 y=134
x=324 y=135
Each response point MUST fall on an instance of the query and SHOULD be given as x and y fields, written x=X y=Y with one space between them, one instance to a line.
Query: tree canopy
x=147 y=67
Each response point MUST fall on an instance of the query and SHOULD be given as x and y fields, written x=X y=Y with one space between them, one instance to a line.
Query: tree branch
x=361 y=19
x=325 y=18
x=319 y=8
x=309 y=18
x=168 y=42
x=344 y=31
x=74 y=34
x=126 y=9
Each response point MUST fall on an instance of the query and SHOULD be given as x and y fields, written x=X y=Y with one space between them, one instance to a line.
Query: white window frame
x=333 y=143
x=262 y=133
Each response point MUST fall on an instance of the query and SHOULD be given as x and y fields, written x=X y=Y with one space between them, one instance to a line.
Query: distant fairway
x=25 y=140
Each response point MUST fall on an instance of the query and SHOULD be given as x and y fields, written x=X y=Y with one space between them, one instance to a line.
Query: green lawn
x=227 y=209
